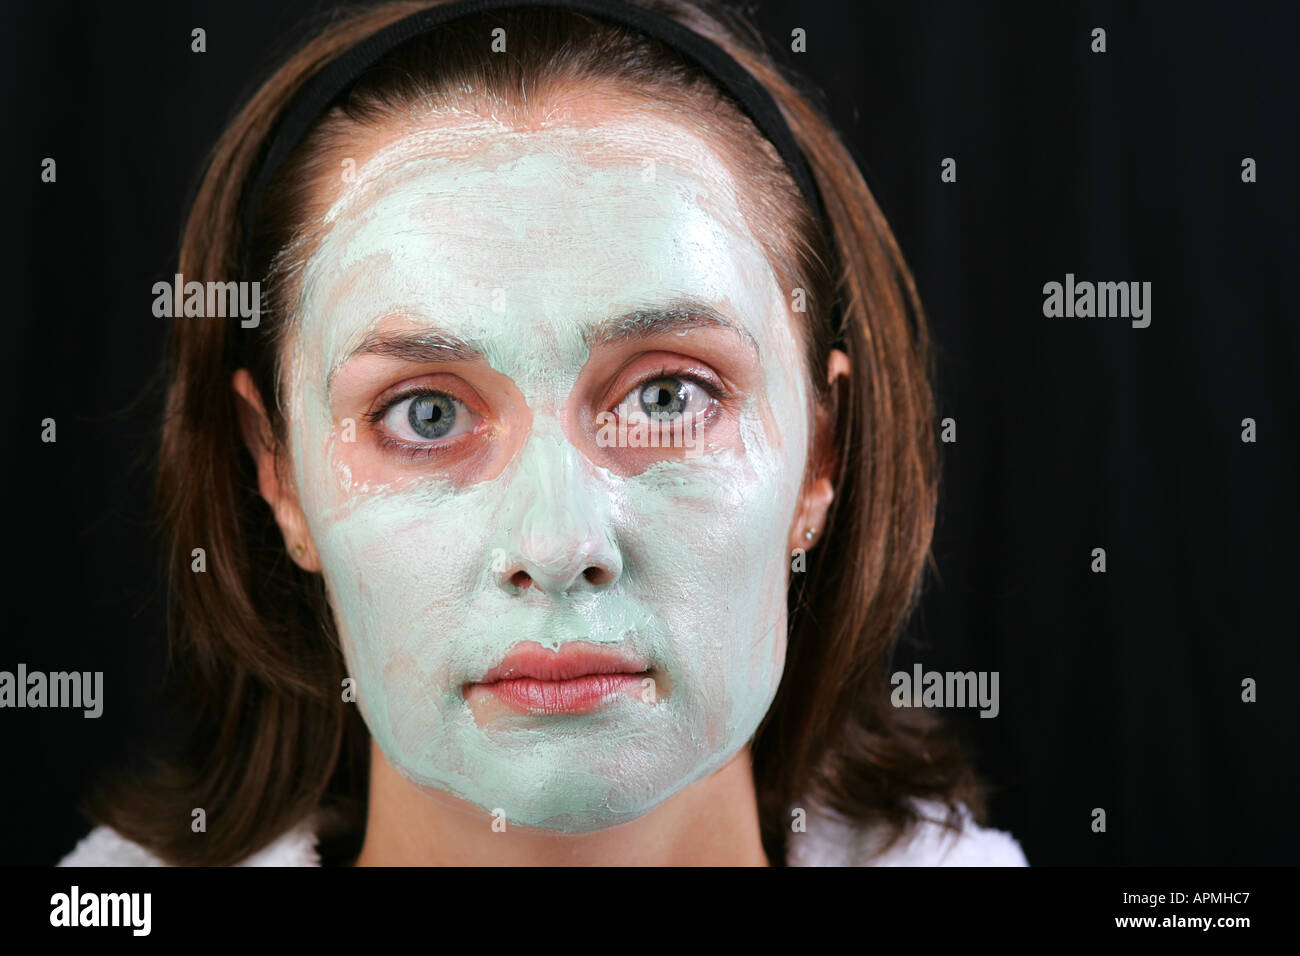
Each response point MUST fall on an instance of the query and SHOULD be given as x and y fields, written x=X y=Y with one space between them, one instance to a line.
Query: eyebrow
x=677 y=319
x=432 y=345
x=428 y=345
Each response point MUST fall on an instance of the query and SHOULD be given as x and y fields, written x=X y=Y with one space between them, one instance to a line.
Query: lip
x=578 y=678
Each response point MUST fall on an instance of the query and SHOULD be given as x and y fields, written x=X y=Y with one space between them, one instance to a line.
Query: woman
x=567 y=497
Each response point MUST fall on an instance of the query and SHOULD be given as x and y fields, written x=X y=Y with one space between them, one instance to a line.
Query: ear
x=819 y=486
x=272 y=467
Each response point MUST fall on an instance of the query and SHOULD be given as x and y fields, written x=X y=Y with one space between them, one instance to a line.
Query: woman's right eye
x=424 y=418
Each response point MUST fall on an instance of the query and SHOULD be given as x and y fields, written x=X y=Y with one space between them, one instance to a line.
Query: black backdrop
x=1119 y=690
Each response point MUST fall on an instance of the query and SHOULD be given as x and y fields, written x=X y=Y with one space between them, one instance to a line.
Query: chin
x=573 y=797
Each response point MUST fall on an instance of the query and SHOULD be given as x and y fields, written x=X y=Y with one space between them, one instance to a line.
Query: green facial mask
x=520 y=243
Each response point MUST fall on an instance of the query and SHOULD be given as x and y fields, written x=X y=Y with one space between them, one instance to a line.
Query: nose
x=558 y=538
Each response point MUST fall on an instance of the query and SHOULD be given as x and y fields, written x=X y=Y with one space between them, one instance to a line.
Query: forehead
x=624 y=149
x=465 y=218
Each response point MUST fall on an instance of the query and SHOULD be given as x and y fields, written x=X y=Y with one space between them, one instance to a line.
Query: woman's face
x=488 y=307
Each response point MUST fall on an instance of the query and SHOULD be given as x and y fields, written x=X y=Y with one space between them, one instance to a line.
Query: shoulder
x=829 y=840
x=104 y=846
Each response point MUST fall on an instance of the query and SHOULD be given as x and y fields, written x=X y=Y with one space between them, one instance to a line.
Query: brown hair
x=255 y=660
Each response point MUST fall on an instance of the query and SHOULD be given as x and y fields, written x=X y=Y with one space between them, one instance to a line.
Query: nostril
x=595 y=576
x=598 y=576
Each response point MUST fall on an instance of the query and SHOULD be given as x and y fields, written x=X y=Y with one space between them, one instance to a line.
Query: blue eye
x=666 y=398
x=432 y=416
x=423 y=417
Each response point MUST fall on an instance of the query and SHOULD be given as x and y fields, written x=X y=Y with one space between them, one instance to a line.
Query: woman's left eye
x=666 y=398
x=427 y=417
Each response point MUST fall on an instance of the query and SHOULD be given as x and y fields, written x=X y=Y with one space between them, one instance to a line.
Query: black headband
x=323 y=89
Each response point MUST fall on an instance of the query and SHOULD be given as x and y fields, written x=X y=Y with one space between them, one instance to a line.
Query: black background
x=1119 y=690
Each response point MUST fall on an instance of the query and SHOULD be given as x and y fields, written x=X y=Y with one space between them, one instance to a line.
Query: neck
x=713 y=822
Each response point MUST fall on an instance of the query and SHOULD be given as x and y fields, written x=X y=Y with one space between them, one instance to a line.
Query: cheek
x=706 y=545
x=402 y=574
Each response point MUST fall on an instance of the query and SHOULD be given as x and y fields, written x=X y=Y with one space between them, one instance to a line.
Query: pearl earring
x=299 y=551
x=810 y=534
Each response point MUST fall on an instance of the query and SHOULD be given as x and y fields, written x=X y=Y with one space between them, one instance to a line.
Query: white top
x=829 y=841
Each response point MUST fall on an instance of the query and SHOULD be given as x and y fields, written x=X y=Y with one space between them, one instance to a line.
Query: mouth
x=577 y=679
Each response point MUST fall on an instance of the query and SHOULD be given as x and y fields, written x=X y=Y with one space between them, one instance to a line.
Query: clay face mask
x=481 y=296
